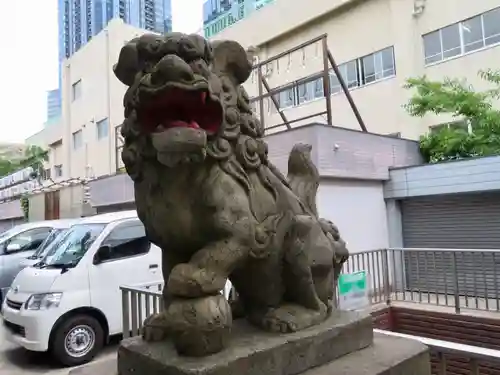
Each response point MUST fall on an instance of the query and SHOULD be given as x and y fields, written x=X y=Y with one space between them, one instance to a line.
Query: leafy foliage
x=458 y=99
x=34 y=156
x=25 y=206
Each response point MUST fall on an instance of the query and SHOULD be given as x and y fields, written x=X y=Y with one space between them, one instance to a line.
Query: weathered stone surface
x=387 y=356
x=255 y=352
x=211 y=199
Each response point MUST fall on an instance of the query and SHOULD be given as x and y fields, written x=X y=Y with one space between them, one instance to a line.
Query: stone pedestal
x=344 y=344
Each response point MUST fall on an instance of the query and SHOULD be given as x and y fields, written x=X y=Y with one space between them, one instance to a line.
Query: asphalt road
x=17 y=361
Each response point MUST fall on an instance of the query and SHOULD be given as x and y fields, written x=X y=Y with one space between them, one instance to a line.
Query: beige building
x=377 y=44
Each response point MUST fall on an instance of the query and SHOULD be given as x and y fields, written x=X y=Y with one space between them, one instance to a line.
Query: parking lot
x=17 y=361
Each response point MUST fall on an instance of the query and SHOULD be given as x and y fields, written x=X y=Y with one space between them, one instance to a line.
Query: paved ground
x=17 y=361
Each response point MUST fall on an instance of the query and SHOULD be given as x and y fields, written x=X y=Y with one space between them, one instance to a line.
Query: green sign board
x=353 y=290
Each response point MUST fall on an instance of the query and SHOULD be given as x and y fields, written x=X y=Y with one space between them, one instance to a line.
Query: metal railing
x=458 y=278
x=453 y=358
x=141 y=301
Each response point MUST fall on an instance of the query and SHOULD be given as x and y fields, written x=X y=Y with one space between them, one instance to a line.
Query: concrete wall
x=355 y=29
x=70 y=203
x=358 y=209
x=471 y=175
x=345 y=153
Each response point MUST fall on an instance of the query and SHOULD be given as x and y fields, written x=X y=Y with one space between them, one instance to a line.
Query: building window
x=102 y=128
x=462 y=37
x=349 y=72
x=46 y=175
x=355 y=73
x=76 y=90
x=77 y=139
x=304 y=93
x=378 y=65
x=458 y=124
x=58 y=171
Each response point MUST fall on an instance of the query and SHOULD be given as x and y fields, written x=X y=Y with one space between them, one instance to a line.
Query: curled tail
x=303 y=176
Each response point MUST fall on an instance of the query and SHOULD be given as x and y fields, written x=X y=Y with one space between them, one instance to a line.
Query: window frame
x=76 y=90
x=125 y=225
x=464 y=124
x=289 y=96
x=57 y=168
x=78 y=133
x=99 y=128
x=7 y=242
x=461 y=29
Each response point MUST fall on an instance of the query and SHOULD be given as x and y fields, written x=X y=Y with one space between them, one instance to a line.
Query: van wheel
x=77 y=340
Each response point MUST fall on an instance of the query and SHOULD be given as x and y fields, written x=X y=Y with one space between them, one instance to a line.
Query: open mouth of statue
x=181 y=108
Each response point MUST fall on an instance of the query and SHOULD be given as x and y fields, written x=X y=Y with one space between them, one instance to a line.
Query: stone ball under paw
x=200 y=326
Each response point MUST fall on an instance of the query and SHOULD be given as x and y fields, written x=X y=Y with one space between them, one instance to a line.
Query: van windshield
x=72 y=246
x=46 y=244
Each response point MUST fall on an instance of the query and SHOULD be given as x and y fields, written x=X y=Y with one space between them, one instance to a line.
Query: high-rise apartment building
x=220 y=14
x=80 y=20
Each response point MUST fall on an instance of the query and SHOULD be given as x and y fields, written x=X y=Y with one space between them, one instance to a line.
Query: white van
x=70 y=303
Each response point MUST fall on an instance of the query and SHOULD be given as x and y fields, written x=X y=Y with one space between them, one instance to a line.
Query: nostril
x=171 y=68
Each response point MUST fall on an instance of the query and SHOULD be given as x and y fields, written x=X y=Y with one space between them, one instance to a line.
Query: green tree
x=459 y=99
x=34 y=156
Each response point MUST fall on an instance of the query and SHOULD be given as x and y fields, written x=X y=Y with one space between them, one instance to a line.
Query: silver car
x=60 y=228
x=18 y=243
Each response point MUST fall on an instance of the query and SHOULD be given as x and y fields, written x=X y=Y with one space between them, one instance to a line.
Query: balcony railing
x=451 y=358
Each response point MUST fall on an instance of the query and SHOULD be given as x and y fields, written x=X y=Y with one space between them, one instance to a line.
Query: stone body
x=213 y=202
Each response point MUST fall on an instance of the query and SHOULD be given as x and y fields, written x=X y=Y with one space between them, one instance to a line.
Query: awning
x=111 y=190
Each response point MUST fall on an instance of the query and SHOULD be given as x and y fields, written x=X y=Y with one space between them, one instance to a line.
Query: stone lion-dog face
x=181 y=93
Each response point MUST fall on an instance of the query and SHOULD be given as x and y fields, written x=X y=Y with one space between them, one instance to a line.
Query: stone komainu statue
x=213 y=202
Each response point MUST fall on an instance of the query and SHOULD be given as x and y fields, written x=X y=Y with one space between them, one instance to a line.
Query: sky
x=29 y=60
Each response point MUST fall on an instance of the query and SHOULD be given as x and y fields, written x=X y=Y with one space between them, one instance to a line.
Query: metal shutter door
x=462 y=221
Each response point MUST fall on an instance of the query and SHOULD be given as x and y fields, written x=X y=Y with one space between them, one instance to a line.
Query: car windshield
x=72 y=246
x=52 y=238
x=9 y=233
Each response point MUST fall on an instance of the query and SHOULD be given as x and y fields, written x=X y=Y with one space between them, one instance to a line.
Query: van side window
x=127 y=240
x=27 y=240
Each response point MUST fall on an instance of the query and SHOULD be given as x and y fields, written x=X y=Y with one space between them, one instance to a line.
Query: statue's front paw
x=187 y=280
x=155 y=328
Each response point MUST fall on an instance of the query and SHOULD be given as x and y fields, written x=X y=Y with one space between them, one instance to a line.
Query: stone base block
x=387 y=356
x=254 y=352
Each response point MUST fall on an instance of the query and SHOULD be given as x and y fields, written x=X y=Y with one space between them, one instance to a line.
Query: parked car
x=58 y=231
x=70 y=303
x=16 y=244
